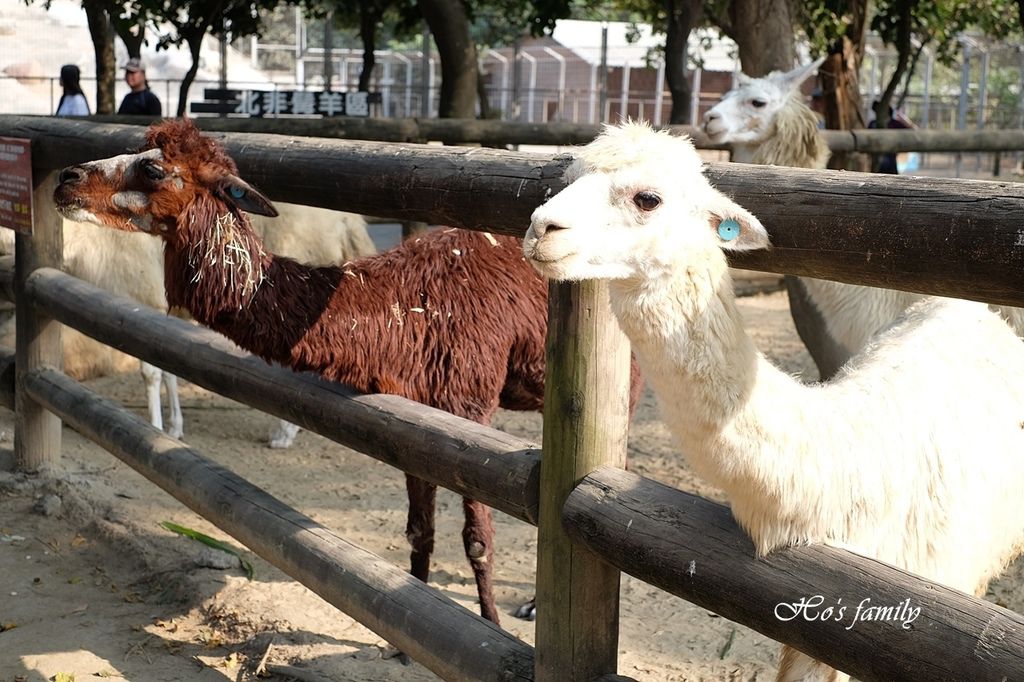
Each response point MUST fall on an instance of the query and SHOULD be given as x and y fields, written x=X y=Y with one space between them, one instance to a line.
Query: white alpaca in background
x=913 y=455
x=766 y=121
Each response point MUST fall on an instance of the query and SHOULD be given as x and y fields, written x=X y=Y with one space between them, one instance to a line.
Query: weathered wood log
x=586 y=418
x=37 y=338
x=911 y=140
x=956 y=238
x=693 y=548
x=475 y=461
x=929 y=235
x=451 y=641
x=447 y=130
x=560 y=133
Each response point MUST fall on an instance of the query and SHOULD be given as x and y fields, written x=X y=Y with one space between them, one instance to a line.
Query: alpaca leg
x=478 y=540
x=798 y=667
x=284 y=435
x=828 y=355
x=152 y=376
x=177 y=420
x=419 y=527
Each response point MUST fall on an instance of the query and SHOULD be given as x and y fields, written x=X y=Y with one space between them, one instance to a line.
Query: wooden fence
x=956 y=238
x=501 y=133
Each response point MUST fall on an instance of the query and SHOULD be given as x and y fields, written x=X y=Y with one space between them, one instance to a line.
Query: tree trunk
x=368 y=18
x=763 y=31
x=194 y=38
x=682 y=16
x=903 y=50
x=450 y=27
x=481 y=95
x=844 y=109
x=102 y=32
x=132 y=36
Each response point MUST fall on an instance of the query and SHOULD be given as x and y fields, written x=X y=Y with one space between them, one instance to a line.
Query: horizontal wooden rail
x=452 y=131
x=473 y=460
x=929 y=235
x=693 y=548
x=451 y=641
x=559 y=133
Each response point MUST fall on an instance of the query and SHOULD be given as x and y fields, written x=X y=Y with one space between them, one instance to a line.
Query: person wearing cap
x=72 y=101
x=140 y=101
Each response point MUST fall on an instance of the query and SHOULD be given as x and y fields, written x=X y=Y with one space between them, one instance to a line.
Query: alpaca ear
x=791 y=80
x=246 y=197
x=736 y=228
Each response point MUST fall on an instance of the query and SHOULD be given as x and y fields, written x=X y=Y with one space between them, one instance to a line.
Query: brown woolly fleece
x=453 y=319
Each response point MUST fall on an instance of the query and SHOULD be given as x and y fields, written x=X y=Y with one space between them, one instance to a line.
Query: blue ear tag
x=729 y=229
x=237 y=192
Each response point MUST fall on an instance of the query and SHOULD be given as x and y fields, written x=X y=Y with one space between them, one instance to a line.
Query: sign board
x=16 y=184
x=260 y=103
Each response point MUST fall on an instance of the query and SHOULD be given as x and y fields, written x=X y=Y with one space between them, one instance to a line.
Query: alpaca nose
x=710 y=116
x=71 y=175
x=542 y=227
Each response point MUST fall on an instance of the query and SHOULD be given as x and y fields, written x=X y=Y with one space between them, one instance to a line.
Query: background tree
x=676 y=19
x=681 y=17
x=372 y=20
x=763 y=31
x=911 y=26
x=130 y=25
x=838 y=29
x=192 y=20
x=449 y=24
x=101 y=29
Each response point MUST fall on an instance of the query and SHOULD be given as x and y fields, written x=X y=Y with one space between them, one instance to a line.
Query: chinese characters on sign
x=259 y=103
x=16 y=184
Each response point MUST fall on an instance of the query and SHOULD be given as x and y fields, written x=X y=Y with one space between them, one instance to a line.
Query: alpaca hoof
x=279 y=443
x=283 y=436
x=527 y=611
x=176 y=431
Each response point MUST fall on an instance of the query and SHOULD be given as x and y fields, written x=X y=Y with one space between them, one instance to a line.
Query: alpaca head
x=637 y=204
x=180 y=173
x=746 y=114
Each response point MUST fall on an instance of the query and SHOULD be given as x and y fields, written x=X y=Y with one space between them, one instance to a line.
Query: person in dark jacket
x=140 y=101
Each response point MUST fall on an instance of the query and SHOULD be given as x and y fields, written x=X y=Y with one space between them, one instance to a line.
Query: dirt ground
x=93 y=586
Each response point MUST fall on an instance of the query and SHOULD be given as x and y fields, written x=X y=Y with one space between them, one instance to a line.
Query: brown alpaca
x=453 y=319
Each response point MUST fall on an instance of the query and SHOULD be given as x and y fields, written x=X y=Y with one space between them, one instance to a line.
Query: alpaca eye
x=758 y=103
x=153 y=171
x=646 y=201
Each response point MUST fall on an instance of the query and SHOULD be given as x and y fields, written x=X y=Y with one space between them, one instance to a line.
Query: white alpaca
x=913 y=455
x=766 y=122
x=132 y=264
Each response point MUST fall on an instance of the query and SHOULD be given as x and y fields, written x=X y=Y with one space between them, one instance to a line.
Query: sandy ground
x=98 y=588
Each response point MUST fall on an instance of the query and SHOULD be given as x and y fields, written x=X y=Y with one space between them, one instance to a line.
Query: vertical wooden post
x=586 y=415
x=36 y=430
